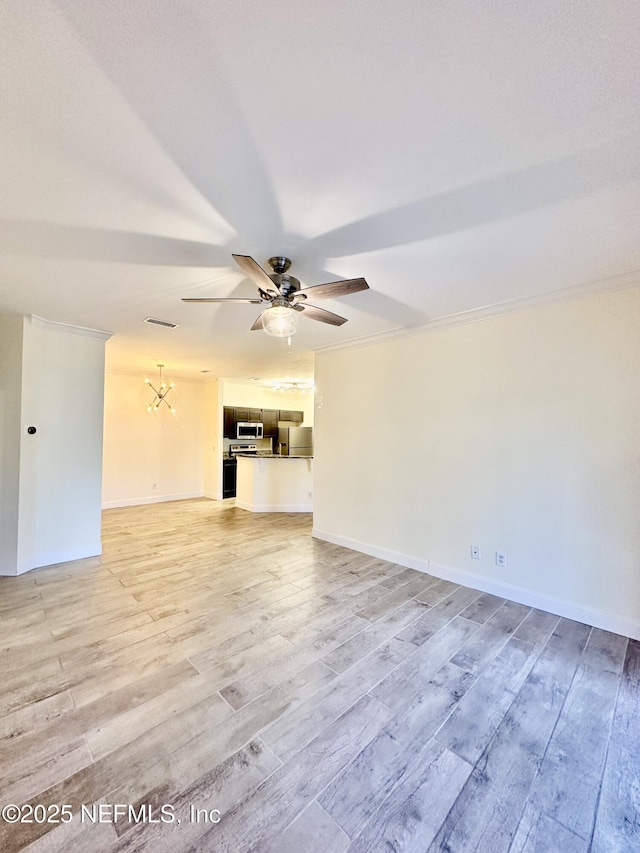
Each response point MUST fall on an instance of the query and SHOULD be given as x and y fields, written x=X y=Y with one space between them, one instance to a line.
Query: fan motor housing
x=287 y=284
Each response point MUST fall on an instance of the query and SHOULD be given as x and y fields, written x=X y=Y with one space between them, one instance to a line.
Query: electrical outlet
x=309 y=494
x=475 y=552
x=154 y=486
x=501 y=559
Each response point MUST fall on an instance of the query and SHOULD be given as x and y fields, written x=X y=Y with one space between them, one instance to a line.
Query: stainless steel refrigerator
x=295 y=441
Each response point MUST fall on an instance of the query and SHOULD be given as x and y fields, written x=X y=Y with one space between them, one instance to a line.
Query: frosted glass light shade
x=280 y=322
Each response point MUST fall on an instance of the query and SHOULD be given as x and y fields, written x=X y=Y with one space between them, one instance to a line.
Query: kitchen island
x=270 y=483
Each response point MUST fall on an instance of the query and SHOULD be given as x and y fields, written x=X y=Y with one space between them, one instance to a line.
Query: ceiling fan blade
x=257 y=325
x=333 y=289
x=314 y=313
x=225 y=299
x=254 y=271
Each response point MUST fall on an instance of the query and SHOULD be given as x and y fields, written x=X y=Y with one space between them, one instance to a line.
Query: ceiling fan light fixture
x=280 y=291
x=280 y=321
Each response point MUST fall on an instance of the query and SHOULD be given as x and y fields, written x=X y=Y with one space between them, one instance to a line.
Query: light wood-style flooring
x=321 y=700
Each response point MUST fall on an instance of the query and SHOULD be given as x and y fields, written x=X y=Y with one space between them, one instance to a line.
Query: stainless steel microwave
x=249 y=430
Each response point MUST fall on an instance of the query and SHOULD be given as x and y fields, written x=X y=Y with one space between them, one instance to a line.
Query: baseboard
x=274 y=507
x=156 y=499
x=53 y=557
x=372 y=550
x=559 y=607
x=541 y=601
x=213 y=496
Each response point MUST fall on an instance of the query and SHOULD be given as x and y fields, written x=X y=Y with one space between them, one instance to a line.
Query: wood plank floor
x=319 y=699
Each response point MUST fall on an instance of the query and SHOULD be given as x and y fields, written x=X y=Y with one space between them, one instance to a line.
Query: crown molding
x=148 y=370
x=97 y=334
x=498 y=309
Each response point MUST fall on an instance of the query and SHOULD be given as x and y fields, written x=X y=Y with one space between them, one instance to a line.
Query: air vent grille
x=164 y=323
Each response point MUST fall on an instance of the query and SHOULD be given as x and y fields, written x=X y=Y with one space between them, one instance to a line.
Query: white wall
x=257 y=397
x=142 y=448
x=52 y=378
x=11 y=336
x=61 y=465
x=519 y=434
x=275 y=484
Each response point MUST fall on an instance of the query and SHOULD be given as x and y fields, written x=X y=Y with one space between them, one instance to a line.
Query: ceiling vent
x=164 y=323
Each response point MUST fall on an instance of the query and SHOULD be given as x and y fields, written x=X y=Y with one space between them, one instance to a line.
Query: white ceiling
x=456 y=155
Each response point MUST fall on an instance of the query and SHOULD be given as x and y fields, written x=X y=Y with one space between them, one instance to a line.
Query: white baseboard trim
x=541 y=601
x=373 y=550
x=274 y=507
x=213 y=496
x=559 y=607
x=53 y=557
x=156 y=499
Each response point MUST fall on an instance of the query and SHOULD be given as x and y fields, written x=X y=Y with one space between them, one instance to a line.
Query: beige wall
x=142 y=449
x=519 y=434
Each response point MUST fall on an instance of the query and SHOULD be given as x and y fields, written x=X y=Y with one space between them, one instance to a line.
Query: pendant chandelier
x=161 y=392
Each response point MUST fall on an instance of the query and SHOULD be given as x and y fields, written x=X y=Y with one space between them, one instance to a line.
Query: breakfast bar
x=273 y=483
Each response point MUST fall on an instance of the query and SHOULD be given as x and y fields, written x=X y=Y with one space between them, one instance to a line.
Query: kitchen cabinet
x=249 y=416
x=268 y=417
x=290 y=416
x=270 y=422
x=252 y=416
x=230 y=421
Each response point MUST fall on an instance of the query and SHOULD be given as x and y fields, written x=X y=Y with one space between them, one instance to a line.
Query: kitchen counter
x=270 y=456
x=267 y=486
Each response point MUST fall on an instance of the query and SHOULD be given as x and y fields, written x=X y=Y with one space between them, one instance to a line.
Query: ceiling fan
x=283 y=298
